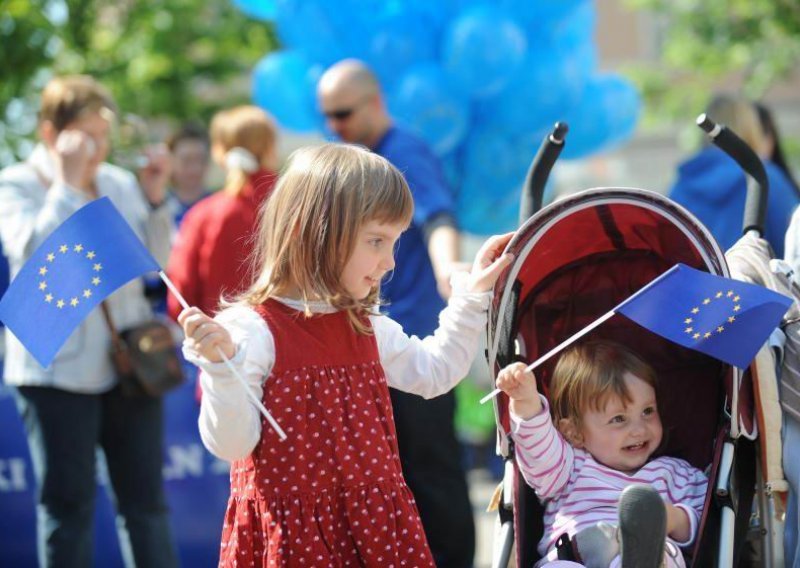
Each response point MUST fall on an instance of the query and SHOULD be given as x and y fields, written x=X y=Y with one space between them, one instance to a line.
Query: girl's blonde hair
x=247 y=127
x=309 y=224
x=588 y=374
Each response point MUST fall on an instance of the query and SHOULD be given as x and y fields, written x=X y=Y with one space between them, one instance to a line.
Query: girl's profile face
x=372 y=258
x=623 y=435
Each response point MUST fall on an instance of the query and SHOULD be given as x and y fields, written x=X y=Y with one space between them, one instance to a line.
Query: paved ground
x=481 y=487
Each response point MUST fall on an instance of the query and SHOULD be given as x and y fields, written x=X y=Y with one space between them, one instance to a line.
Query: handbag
x=145 y=357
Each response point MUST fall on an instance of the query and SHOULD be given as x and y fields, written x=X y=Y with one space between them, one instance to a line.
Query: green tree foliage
x=707 y=40
x=162 y=59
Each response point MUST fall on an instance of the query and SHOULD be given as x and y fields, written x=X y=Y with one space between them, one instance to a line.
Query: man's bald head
x=349 y=96
x=349 y=75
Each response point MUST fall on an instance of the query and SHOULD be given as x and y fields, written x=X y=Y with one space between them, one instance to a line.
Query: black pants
x=64 y=429
x=432 y=466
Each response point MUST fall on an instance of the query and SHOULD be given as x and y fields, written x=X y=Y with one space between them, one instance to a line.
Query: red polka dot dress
x=332 y=494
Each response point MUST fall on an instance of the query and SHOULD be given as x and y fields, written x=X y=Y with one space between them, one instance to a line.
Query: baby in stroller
x=595 y=465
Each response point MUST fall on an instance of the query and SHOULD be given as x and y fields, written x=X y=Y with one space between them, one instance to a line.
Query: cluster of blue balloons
x=481 y=80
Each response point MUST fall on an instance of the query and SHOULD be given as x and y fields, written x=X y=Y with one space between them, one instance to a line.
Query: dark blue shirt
x=712 y=186
x=411 y=291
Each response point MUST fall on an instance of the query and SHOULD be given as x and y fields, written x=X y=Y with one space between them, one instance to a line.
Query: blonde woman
x=208 y=260
x=74 y=406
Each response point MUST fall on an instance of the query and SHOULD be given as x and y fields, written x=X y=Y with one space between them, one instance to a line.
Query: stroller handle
x=539 y=171
x=755 y=207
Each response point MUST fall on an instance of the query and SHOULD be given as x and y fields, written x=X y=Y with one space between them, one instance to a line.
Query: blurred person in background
x=75 y=405
x=712 y=186
x=350 y=98
x=209 y=258
x=190 y=151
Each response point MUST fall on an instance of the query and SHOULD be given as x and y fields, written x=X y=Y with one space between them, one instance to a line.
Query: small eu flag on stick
x=80 y=264
x=724 y=318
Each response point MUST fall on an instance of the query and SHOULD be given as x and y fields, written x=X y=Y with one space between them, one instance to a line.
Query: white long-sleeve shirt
x=579 y=492
x=230 y=424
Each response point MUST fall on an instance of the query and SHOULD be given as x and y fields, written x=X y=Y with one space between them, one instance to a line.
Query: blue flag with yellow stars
x=726 y=319
x=82 y=262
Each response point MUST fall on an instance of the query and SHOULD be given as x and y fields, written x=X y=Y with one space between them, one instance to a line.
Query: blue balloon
x=259 y=9
x=398 y=41
x=482 y=50
x=496 y=163
x=326 y=32
x=424 y=101
x=284 y=84
x=549 y=83
x=606 y=115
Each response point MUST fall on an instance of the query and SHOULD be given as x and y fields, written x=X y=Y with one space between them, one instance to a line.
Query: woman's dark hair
x=778 y=157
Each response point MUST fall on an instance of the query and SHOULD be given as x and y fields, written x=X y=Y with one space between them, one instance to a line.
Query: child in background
x=307 y=338
x=209 y=257
x=601 y=438
x=190 y=150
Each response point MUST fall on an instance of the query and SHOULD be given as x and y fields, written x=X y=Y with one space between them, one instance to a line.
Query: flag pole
x=588 y=328
x=556 y=349
x=228 y=363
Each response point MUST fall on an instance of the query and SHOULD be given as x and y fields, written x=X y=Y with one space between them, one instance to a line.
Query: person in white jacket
x=74 y=406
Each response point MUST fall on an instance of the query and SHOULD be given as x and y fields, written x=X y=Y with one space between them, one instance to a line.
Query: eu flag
x=726 y=319
x=82 y=262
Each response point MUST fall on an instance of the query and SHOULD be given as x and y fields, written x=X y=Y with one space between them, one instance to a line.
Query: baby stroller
x=574 y=261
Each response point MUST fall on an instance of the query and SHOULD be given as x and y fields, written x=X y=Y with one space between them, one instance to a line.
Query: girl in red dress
x=310 y=341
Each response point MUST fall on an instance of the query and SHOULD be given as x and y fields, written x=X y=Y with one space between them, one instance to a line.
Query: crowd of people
x=352 y=336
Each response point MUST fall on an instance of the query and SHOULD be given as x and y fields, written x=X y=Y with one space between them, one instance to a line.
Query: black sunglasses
x=341 y=114
x=344 y=113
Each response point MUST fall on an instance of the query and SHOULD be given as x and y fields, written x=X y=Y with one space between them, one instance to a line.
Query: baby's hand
x=489 y=263
x=520 y=386
x=204 y=335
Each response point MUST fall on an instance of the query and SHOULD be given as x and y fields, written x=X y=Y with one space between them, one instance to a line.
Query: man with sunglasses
x=350 y=98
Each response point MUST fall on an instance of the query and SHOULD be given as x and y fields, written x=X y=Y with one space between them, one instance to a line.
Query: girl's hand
x=204 y=335
x=489 y=263
x=520 y=386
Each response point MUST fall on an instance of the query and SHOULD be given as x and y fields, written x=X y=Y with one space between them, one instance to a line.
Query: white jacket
x=29 y=212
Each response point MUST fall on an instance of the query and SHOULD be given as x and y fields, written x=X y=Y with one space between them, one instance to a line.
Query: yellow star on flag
x=87 y=293
x=43 y=270
x=90 y=255
x=97 y=267
x=718 y=295
x=63 y=248
x=707 y=301
x=695 y=310
x=60 y=304
x=78 y=248
x=73 y=302
x=706 y=335
x=720 y=329
x=731 y=319
x=48 y=298
x=42 y=285
x=696 y=336
x=736 y=308
x=51 y=257
x=687 y=320
x=96 y=280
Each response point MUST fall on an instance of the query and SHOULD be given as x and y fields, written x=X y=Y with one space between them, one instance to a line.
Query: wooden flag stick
x=556 y=349
x=228 y=364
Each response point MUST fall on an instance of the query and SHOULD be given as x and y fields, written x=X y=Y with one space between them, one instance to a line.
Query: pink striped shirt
x=578 y=491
